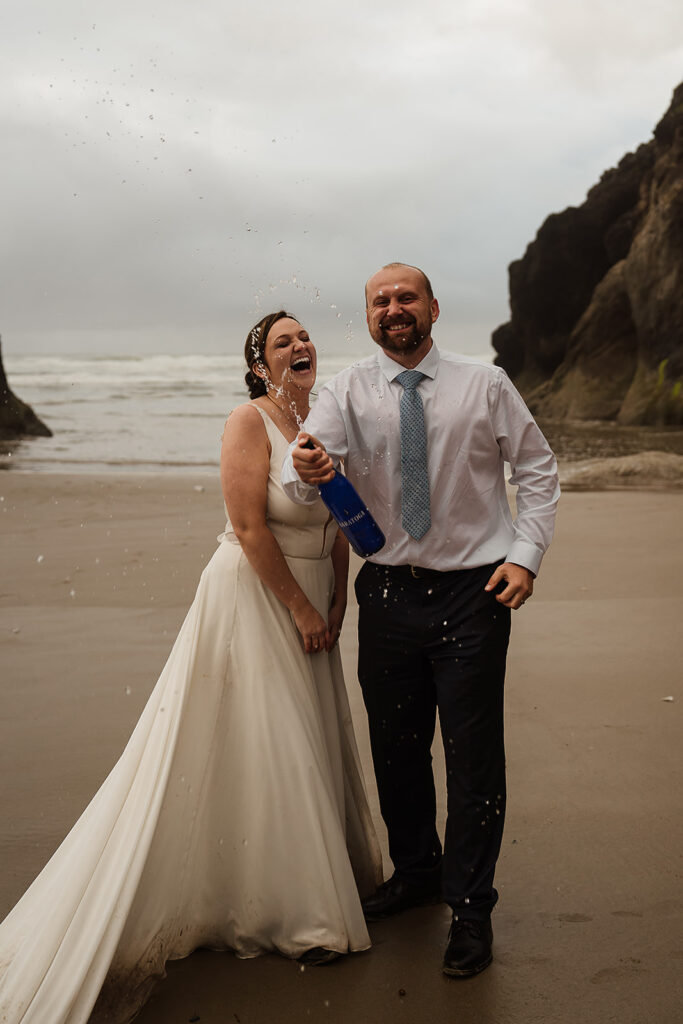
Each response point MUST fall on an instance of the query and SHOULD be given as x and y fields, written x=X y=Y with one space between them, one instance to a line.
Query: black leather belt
x=414 y=572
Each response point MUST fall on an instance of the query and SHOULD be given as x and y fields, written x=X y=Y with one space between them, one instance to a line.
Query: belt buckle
x=414 y=574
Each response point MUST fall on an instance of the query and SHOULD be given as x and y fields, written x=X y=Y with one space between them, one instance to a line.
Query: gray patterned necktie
x=416 y=517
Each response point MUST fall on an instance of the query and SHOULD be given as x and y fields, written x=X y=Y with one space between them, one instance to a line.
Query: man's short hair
x=390 y=266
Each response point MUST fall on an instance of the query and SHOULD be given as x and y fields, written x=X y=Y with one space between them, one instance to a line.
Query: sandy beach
x=97 y=574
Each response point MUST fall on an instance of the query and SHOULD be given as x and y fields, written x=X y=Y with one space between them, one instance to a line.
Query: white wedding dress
x=236 y=817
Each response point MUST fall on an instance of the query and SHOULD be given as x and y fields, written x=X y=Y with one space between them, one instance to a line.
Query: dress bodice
x=302 y=531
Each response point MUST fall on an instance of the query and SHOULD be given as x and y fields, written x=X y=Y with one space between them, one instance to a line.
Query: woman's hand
x=335 y=619
x=312 y=627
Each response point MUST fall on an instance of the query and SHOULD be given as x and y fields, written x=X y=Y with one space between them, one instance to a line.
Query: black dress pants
x=437 y=642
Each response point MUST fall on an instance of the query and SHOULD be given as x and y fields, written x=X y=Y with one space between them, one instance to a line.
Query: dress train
x=235 y=818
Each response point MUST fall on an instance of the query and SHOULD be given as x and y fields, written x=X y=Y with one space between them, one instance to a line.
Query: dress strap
x=264 y=414
x=273 y=431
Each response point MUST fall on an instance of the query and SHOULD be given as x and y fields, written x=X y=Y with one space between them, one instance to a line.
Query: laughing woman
x=236 y=816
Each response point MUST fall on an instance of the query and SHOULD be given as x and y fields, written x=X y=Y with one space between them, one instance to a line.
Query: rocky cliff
x=17 y=419
x=596 y=302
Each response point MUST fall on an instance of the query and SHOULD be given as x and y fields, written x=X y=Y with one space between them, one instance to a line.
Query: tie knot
x=410 y=378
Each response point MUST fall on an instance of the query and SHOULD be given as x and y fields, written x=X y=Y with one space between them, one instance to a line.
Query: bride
x=236 y=816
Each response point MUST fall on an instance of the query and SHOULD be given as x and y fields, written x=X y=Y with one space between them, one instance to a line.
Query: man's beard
x=401 y=341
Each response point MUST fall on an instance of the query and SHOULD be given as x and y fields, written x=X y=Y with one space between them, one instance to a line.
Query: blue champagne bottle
x=351 y=514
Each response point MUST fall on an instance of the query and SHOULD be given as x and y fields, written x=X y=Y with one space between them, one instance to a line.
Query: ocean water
x=128 y=414
x=165 y=413
x=160 y=413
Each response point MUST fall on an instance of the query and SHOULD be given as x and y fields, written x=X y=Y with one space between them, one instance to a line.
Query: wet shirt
x=476 y=421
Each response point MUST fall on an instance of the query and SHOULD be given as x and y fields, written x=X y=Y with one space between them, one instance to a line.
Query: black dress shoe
x=469 y=948
x=318 y=956
x=395 y=895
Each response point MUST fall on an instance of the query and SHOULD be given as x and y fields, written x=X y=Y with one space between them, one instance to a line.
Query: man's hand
x=313 y=465
x=520 y=584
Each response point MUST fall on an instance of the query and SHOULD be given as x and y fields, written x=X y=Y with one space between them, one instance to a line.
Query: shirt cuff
x=292 y=484
x=525 y=554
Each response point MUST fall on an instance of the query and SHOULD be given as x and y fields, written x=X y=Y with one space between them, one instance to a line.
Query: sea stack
x=596 y=302
x=17 y=419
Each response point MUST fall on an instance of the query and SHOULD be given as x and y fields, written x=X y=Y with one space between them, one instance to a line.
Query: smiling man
x=424 y=436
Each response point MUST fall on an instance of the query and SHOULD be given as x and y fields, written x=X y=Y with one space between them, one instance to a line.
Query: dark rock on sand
x=17 y=419
x=596 y=327
x=644 y=471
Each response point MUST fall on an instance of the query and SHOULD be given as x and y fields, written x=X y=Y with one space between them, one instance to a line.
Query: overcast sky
x=171 y=170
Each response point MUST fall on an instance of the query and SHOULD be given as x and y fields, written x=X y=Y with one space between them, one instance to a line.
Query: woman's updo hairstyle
x=254 y=349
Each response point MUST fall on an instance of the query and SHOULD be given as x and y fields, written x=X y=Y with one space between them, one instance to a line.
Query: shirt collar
x=391 y=369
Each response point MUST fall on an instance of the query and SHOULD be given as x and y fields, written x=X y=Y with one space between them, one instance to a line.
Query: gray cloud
x=171 y=171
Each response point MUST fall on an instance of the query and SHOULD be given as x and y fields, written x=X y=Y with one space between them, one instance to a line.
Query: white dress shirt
x=476 y=421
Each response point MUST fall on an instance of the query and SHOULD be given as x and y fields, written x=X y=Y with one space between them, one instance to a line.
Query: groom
x=424 y=436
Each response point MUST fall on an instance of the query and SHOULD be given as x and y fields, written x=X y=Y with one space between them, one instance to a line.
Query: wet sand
x=589 y=923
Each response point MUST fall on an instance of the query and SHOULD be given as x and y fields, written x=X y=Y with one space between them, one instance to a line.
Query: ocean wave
x=91 y=464
x=121 y=412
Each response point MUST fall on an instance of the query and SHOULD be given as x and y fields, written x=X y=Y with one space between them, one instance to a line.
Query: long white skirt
x=235 y=818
